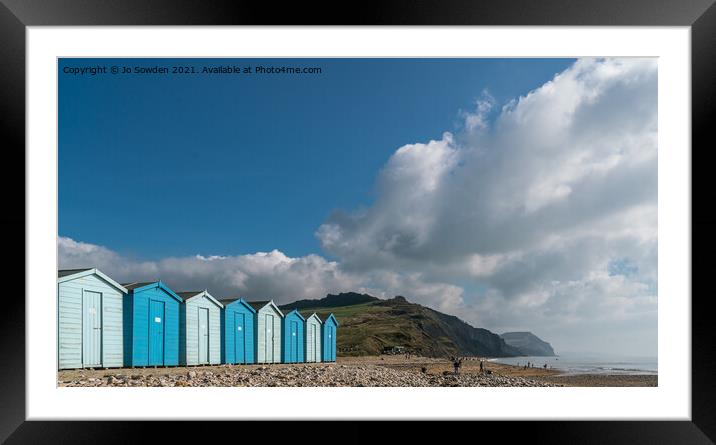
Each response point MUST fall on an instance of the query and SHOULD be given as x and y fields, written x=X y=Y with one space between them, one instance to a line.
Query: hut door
x=239 y=353
x=309 y=343
x=91 y=329
x=314 y=342
x=203 y=335
x=331 y=344
x=156 y=333
x=294 y=341
x=269 y=338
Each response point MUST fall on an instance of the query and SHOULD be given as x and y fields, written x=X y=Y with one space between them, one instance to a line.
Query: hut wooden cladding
x=104 y=324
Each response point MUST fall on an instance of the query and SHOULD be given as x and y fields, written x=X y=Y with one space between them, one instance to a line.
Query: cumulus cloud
x=539 y=214
x=262 y=275
x=258 y=276
x=559 y=185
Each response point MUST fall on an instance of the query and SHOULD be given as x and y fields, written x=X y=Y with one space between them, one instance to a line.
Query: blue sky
x=157 y=166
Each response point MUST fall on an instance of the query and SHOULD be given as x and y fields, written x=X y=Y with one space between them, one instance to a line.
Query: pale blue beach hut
x=89 y=319
x=267 y=335
x=199 y=329
x=313 y=338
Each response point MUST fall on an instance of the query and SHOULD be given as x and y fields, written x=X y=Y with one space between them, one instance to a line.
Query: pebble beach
x=382 y=371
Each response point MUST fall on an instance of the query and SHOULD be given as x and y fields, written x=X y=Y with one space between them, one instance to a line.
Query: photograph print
x=357 y=222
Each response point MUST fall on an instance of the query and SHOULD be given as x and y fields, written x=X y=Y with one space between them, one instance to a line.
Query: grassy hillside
x=366 y=328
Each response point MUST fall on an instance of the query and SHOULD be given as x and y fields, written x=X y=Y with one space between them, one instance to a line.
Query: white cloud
x=559 y=184
x=258 y=276
x=261 y=275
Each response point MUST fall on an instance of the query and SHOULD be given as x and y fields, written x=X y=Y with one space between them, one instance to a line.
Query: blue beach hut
x=237 y=328
x=151 y=325
x=330 y=327
x=267 y=335
x=89 y=320
x=293 y=337
x=199 y=329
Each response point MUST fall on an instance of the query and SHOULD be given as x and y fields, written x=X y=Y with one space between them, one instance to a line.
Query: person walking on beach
x=481 y=368
x=457 y=362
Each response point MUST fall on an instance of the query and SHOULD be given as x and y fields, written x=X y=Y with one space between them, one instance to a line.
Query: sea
x=589 y=364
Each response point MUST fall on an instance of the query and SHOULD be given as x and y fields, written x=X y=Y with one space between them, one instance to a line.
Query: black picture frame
x=16 y=15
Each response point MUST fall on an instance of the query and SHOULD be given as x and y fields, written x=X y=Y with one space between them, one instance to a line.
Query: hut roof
x=191 y=294
x=66 y=272
x=228 y=301
x=71 y=274
x=136 y=285
x=313 y=314
x=297 y=313
x=257 y=305
x=159 y=284
x=331 y=317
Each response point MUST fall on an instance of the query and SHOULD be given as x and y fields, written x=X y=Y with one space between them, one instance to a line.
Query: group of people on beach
x=532 y=365
x=457 y=363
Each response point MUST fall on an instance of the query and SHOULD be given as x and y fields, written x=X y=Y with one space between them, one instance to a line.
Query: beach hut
x=237 y=328
x=89 y=319
x=151 y=325
x=267 y=335
x=330 y=326
x=313 y=338
x=293 y=337
x=199 y=329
